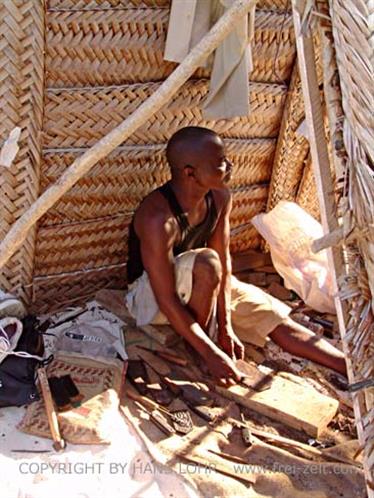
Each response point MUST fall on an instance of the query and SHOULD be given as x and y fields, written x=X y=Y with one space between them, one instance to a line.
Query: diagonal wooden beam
x=18 y=232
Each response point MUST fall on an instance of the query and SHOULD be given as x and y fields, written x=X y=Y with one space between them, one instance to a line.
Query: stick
x=331 y=239
x=58 y=442
x=18 y=233
x=291 y=442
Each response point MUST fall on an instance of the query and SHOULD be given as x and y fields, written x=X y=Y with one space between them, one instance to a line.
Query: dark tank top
x=192 y=237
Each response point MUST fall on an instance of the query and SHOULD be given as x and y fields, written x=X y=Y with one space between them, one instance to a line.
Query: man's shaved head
x=186 y=144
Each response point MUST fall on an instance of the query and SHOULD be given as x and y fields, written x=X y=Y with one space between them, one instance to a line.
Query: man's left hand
x=230 y=344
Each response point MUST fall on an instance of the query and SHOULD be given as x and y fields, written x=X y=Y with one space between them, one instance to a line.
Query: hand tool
x=202 y=411
x=166 y=356
x=58 y=441
x=246 y=433
x=158 y=419
x=363 y=384
x=181 y=419
x=252 y=377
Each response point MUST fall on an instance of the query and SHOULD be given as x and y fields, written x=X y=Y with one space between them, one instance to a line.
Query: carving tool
x=246 y=433
x=181 y=419
x=158 y=419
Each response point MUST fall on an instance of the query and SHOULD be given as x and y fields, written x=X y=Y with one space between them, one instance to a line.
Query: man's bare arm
x=156 y=241
x=220 y=242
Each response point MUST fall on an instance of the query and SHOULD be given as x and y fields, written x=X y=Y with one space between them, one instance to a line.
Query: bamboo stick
x=84 y=163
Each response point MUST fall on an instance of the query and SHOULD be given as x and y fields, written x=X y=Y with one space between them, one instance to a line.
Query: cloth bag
x=290 y=231
x=18 y=373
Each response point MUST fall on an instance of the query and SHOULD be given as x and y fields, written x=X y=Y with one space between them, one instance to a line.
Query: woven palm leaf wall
x=102 y=60
x=21 y=99
x=351 y=81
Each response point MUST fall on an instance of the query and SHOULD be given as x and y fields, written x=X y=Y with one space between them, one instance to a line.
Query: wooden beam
x=319 y=152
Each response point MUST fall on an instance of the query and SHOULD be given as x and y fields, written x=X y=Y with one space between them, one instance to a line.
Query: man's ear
x=189 y=171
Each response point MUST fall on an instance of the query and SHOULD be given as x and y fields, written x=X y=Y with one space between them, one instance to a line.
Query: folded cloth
x=254 y=313
x=141 y=301
x=232 y=60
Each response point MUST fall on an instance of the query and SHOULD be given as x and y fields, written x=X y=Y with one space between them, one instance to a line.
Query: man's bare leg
x=298 y=340
x=205 y=286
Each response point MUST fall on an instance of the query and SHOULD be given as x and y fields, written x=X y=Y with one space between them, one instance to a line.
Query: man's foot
x=298 y=340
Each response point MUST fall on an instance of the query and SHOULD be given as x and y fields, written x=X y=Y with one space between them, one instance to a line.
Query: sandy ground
x=122 y=469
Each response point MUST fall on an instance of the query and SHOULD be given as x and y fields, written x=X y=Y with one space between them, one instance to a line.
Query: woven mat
x=90 y=423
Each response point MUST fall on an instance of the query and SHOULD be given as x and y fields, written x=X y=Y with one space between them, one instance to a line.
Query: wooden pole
x=324 y=180
x=84 y=163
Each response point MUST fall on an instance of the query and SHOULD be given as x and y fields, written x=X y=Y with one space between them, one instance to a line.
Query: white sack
x=290 y=231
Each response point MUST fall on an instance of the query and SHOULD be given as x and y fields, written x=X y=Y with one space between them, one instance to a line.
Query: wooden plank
x=298 y=406
x=249 y=260
x=252 y=277
x=114 y=301
x=279 y=291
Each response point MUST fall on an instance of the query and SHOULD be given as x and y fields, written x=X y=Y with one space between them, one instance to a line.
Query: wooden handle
x=173 y=358
x=132 y=394
x=58 y=442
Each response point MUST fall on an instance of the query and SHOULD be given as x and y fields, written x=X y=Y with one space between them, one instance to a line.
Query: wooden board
x=249 y=260
x=291 y=403
x=114 y=301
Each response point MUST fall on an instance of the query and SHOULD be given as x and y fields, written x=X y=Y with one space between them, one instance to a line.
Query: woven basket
x=248 y=238
x=354 y=35
x=106 y=4
x=70 y=247
x=127 y=46
x=247 y=202
x=78 y=118
x=74 y=261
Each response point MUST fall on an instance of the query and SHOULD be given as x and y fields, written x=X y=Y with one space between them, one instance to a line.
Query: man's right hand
x=221 y=366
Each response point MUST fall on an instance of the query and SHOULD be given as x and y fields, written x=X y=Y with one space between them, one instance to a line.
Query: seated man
x=179 y=266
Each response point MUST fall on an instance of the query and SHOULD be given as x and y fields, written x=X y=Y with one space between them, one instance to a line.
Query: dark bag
x=17 y=374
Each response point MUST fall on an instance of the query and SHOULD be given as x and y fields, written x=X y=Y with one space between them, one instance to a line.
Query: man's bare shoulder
x=153 y=216
x=222 y=198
